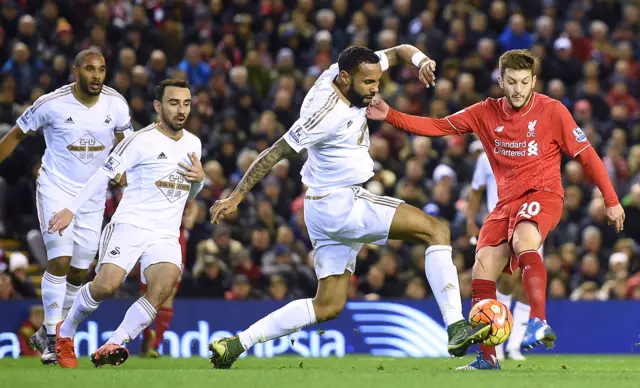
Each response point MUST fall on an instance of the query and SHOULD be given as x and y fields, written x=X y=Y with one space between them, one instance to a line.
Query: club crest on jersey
x=349 y=123
x=86 y=148
x=115 y=252
x=174 y=186
x=532 y=128
x=107 y=120
x=579 y=134
x=111 y=164
x=298 y=134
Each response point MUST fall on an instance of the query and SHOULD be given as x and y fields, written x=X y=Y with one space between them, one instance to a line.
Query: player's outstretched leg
x=105 y=284
x=161 y=278
x=526 y=242
x=327 y=305
x=412 y=224
x=490 y=261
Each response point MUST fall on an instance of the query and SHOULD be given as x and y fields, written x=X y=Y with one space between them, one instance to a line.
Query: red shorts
x=541 y=207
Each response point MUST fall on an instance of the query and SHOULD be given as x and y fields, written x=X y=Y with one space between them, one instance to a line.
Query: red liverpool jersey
x=524 y=147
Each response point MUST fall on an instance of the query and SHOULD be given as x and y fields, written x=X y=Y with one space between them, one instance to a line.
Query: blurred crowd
x=250 y=63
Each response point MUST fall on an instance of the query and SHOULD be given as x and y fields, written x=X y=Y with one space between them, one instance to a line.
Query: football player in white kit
x=509 y=285
x=162 y=162
x=81 y=123
x=340 y=215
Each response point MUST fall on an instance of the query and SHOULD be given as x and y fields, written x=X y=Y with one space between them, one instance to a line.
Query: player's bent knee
x=526 y=237
x=441 y=234
x=488 y=267
x=158 y=295
x=59 y=266
x=328 y=310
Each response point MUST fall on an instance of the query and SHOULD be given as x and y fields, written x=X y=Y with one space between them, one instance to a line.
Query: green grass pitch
x=352 y=371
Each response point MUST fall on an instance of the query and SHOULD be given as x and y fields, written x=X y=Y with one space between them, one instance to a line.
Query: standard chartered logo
x=398 y=330
x=532 y=148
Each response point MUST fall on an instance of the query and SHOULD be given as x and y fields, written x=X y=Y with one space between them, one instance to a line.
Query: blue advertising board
x=388 y=328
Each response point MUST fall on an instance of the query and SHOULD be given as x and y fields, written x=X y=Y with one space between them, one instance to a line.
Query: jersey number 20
x=528 y=210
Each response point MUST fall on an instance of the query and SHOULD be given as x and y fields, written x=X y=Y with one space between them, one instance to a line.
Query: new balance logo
x=53 y=305
x=69 y=121
x=162 y=156
x=448 y=287
x=532 y=148
x=499 y=129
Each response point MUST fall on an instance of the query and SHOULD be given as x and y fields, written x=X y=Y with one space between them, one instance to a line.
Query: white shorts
x=81 y=238
x=341 y=222
x=124 y=244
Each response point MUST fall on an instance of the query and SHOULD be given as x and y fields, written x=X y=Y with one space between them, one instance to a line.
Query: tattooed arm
x=410 y=54
x=262 y=165
x=258 y=169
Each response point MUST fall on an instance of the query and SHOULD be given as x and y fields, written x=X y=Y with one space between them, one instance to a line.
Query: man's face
x=175 y=107
x=91 y=74
x=518 y=86
x=363 y=84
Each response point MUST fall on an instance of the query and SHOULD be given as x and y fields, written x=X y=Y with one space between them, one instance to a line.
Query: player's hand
x=377 y=109
x=60 y=221
x=615 y=216
x=427 y=74
x=224 y=207
x=194 y=172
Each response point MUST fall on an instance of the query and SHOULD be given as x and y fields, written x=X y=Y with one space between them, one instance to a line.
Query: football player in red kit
x=524 y=134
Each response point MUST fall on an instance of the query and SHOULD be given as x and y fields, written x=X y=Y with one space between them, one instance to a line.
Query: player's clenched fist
x=377 y=110
x=615 y=216
x=224 y=207
x=60 y=221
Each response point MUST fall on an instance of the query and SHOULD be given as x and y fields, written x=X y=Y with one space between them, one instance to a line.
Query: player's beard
x=356 y=99
x=524 y=103
x=84 y=87
x=171 y=123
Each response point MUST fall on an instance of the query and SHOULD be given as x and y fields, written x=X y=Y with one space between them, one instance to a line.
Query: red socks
x=163 y=320
x=534 y=282
x=484 y=289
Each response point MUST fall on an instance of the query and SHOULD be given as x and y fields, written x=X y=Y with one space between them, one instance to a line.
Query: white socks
x=505 y=299
x=520 y=318
x=82 y=306
x=69 y=297
x=287 y=320
x=139 y=316
x=53 y=292
x=443 y=279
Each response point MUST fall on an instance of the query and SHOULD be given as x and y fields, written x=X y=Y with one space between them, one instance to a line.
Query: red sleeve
x=570 y=137
x=457 y=123
x=596 y=170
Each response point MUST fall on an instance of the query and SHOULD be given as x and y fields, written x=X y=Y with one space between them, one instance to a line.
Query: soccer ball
x=496 y=314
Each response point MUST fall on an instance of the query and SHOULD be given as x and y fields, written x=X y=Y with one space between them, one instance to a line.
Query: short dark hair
x=518 y=60
x=84 y=54
x=178 y=83
x=351 y=58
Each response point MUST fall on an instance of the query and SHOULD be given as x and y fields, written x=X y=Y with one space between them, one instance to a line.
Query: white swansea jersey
x=335 y=134
x=483 y=176
x=156 y=193
x=78 y=138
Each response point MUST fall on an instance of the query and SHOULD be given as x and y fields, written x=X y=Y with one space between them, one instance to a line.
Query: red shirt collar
x=522 y=111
